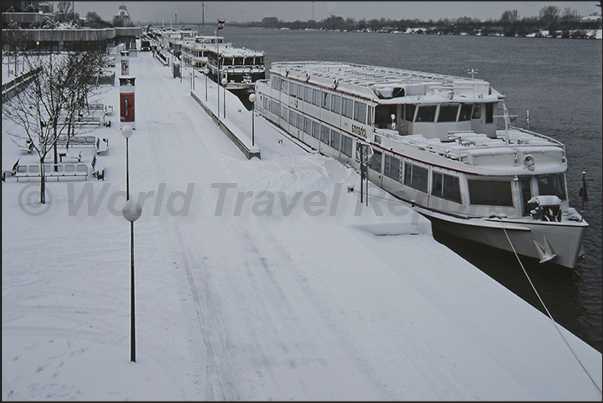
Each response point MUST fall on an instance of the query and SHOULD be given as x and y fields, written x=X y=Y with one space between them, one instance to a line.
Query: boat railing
x=542 y=136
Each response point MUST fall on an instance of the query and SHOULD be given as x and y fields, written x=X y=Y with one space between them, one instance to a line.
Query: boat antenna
x=473 y=72
x=528 y=118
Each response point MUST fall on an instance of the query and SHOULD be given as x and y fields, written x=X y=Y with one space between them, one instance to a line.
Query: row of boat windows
x=447 y=187
x=235 y=61
x=347 y=107
x=358 y=110
x=325 y=134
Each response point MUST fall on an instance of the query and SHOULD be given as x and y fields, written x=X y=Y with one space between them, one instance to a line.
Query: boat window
x=375 y=161
x=285 y=86
x=293 y=89
x=415 y=177
x=300 y=91
x=360 y=112
x=238 y=61
x=307 y=125
x=315 y=129
x=299 y=122
x=335 y=104
x=259 y=60
x=383 y=115
x=490 y=113
x=490 y=193
x=446 y=186
x=465 y=114
x=477 y=111
x=552 y=185
x=284 y=111
x=276 y=82
x=292 y=117
x=316 y=97
x=392 y=167
x=325 y=100
x=409 y=112
x=324 y=134
x=347 y=145
x=448 y=113
x=347 y=108
x=335 y=139
x=308 y=95
x=426 y=113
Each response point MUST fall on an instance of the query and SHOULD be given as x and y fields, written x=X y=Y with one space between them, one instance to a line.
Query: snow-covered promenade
x=260 y=279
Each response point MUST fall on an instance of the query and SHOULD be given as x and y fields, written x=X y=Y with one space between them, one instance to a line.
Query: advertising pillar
x=126 y=101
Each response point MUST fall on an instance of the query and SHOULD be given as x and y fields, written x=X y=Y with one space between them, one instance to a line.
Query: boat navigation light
x=393 y=121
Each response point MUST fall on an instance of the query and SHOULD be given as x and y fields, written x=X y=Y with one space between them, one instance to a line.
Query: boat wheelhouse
x=240 y=66
x=433 y=141
x=195 y=53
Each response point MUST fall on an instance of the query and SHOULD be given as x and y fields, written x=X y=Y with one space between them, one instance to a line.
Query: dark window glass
x=489 y=113
x=552 y=185
x=346 y=145
x=426 y=113
x=324 y=134
x=315 y=129
x=409 y=112
x=360 y=112
x=465 y=113
x=415 y=177
x=448 y=113
x=490 y=193
x=347 y=108
x=477 y=111
x=392 y=167
x=325 y=100
x=335 y=139
x=316 y=97
x=375 y=161
x=335 y=104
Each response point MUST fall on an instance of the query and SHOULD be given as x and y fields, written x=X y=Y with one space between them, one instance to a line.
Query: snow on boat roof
x=387 y=82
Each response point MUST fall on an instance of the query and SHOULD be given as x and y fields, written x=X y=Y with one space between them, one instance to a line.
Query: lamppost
x=131 y=212
x=206 y=72
x=252 y=100
x=224 y=82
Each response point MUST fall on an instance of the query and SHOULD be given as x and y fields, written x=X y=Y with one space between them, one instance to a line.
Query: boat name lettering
x=359 y=130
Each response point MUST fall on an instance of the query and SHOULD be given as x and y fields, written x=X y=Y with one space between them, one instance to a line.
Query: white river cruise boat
x=240 y=66
x=195 y=52
x=432 y=141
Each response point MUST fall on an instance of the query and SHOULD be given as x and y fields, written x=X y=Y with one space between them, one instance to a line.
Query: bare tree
x=49 y=106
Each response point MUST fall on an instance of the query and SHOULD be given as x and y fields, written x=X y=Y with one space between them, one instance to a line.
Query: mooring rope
x=546 y=309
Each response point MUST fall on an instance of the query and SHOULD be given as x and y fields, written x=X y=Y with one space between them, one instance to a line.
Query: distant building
x=122 y=18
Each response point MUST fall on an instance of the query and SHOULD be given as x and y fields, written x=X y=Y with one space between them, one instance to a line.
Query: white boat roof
x=504 y=154
x=383 y=84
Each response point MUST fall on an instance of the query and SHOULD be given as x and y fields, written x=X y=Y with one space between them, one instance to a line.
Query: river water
x=557 y=80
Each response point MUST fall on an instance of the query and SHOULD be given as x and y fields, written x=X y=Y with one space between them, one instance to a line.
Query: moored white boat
x=433 y=141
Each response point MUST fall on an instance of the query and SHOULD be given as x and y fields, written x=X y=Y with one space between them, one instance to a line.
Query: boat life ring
x=529 y=162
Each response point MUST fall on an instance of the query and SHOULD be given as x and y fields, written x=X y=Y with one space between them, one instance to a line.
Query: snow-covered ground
x=255 y=280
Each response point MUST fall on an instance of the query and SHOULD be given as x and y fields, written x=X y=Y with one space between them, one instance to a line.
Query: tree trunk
x=42 y=183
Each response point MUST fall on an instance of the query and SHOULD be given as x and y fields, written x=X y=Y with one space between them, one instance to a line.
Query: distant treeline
x=566 y=23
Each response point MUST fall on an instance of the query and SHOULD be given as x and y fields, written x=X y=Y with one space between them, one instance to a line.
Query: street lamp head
x=224 y=81
x=206 y=71
x=132 y=210
x=126 y=131
x=252 y=97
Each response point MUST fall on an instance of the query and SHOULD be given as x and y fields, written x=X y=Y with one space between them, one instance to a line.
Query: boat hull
x=559 y=243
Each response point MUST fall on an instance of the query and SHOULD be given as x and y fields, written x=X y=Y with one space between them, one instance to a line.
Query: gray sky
x=245 y=11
